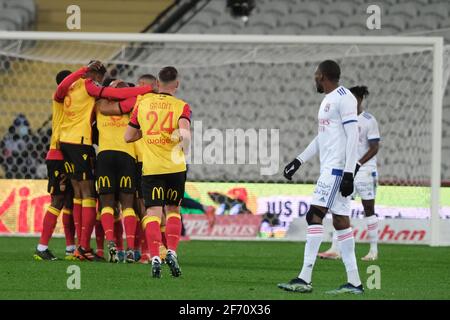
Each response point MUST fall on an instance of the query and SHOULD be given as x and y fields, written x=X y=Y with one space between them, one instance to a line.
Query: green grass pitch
x=222 y=270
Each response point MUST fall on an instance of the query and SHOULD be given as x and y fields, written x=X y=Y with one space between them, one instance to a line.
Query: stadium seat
x=389 y=2
x=215 y=9
x=327 y=20
x=351 y=31
x=311 y=8
x=6 y=25
x=318 y=30
x=13 y=16
x=203 y=20
x=420 y=2
x=255 y=29
x=356 y=21
x=27 y=5
x=343 y=9
x=290 y=29
x=194 y=29
x=300 y=21
x=397 y=23
x=277 y=8
x=229 y=21
x=439 y=10
x=426 y=23
x=406 y=10
x=266 y=20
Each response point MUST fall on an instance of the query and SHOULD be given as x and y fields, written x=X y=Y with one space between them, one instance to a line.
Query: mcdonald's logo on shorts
x=125 y=182
x=172 y=194
x=102 y=181
x=69 y=167
x=159 y=193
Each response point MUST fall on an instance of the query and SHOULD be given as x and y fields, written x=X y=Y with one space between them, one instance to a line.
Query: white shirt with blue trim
x=368 y=131
x=338 y=108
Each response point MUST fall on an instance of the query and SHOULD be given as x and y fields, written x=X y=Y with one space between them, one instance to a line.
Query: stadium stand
x=215 y=103
x=327 y=17
x=33 y=105
x=17 y=14
x=98 y=15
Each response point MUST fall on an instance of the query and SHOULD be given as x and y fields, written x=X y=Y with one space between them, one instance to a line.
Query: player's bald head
x=330 y=70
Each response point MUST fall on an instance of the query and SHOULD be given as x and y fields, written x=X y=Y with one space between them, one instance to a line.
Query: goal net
x=254 y=102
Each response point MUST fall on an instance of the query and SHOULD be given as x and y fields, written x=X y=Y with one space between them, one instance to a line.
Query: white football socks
x=347 y=249
x=372 y=232
x=314 y=238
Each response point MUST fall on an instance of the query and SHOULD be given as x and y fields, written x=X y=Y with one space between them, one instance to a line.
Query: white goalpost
x=268 y=57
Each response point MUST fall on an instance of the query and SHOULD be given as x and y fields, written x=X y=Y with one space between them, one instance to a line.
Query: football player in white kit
x=365 y=176
x=336 y=143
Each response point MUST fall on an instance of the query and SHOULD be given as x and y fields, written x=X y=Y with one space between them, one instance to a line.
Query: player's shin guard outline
x=131 y=223
x=77 y=220
x=69 y=226
x=49 y=224
x=173 y=230
x=152 y=229
x=107 y=219
x=89 y=215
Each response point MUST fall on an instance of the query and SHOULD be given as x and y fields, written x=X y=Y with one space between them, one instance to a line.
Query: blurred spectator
x=19 y=156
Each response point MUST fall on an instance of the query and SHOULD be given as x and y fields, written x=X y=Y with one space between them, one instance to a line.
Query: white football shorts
x=327 y=194
x=366 y=185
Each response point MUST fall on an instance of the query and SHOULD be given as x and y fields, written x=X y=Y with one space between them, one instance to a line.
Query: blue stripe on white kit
x=334 y=190
x=341 y=91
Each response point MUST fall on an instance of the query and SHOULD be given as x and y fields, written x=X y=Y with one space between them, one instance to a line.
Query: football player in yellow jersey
x=60 y=190
x=143 y=80
x=116 y=173
x=163 y=122
x=76 y=144
x=115 y=109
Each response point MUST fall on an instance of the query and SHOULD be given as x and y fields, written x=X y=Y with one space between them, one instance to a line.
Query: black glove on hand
x=291 y=168
x=346 y=187
x=357 y=169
